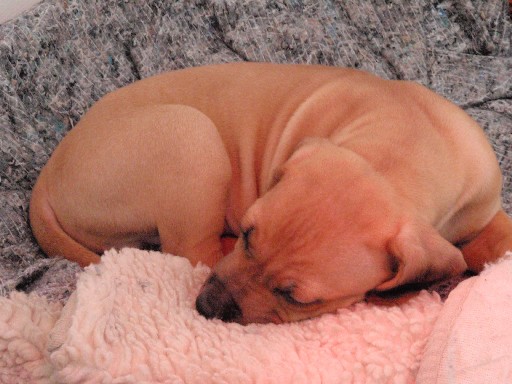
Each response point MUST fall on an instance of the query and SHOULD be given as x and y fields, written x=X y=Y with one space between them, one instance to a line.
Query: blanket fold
x=471 y=341
x=132 y=320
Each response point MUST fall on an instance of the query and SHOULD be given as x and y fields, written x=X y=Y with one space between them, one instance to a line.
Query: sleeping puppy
x=336 y=182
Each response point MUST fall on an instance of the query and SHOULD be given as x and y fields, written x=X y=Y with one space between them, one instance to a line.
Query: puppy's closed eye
x=246 y=233
x=276 y=177
x=287 y=295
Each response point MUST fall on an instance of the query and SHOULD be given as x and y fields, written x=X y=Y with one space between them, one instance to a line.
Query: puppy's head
x=328 y=231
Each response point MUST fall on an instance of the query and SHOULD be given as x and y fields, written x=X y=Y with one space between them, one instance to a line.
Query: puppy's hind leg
x=490 y=244
x=194 y=194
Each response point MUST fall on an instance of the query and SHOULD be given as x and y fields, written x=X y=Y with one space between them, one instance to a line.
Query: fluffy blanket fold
x=132 y=320
x=471 y=341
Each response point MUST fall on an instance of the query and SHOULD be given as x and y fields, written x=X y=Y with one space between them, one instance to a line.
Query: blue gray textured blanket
x=61 y=56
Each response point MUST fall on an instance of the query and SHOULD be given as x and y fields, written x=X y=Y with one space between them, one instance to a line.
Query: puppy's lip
x=271 y=318
x=276 y=318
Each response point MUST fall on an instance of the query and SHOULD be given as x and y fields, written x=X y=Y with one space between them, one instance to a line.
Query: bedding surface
x=61 y=56
x=471 y=340
x=132 y=320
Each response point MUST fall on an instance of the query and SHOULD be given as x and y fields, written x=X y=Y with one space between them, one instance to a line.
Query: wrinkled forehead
x=279 y=223
x=303 y=202
x=318 y=265
x=309 y=235
x=317 y=226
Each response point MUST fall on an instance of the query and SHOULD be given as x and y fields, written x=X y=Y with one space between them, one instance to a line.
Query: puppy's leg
x=194 y=190
x=50 y=235
x=490 y=244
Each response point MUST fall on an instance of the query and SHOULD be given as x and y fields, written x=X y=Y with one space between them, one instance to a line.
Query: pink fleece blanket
x=132 y=320
x=472 y=339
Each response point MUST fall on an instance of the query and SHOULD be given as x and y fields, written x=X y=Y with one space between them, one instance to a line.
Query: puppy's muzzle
x=215 y=301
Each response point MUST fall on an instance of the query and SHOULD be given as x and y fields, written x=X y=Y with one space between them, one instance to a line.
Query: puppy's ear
x=422 y=255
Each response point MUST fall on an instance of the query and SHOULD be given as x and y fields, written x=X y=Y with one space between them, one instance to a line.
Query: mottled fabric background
x=60 y=57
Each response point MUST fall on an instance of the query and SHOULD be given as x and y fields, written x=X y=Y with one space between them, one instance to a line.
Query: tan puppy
x=337 y=182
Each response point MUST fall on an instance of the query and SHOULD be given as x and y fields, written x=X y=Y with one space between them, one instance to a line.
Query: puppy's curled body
x=339 y=182
x=123 y=186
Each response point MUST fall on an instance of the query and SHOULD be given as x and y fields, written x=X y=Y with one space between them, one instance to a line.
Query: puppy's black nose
x=214 y=301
